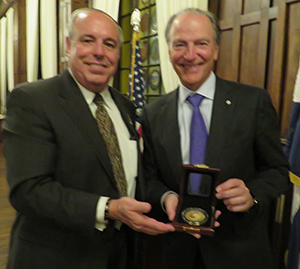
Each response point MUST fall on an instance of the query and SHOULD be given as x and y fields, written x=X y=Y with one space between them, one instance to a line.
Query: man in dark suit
x=243 y=142
x=63 y=176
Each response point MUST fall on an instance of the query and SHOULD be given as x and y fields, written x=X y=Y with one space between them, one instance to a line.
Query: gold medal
x=194 y=216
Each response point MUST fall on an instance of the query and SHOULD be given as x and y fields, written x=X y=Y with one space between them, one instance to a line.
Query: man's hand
x=131 y=212
x=170 y=202
x=235 y=195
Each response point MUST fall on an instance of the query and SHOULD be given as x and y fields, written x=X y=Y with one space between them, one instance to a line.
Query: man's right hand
x=132 y=212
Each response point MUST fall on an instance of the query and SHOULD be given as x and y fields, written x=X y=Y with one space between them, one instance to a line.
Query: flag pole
x=135 y=22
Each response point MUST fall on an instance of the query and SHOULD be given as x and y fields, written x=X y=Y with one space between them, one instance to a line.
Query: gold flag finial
x=135 y=20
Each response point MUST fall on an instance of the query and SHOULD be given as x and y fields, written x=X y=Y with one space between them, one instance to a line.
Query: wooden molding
x=4 y=6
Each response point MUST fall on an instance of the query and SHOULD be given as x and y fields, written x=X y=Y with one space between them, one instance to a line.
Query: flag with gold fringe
x=293 y=153
x=136 y=77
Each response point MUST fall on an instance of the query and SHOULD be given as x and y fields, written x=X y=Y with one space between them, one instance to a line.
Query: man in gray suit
x=243 y=142
x=64 y=178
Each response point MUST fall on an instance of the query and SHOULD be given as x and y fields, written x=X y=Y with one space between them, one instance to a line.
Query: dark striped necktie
x=109 y=135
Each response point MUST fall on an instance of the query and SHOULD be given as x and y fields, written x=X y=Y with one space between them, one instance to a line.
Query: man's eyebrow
x=179 y=40
x=87 y=35
x=111 y=39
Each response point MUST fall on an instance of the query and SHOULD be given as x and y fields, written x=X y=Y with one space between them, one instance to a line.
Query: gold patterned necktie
x=109 y=135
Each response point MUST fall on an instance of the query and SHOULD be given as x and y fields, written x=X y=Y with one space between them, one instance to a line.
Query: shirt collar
x=88 y=95
x=207 y=89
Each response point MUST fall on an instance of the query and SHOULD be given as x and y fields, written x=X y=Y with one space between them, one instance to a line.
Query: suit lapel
x=75 y=105
x=170 y=135
x=223 y=112
x=128 y=119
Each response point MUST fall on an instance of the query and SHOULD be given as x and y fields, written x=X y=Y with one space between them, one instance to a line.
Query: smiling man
x=233 y=127
x=93 y=48
x=73 y=161
x=192 y=49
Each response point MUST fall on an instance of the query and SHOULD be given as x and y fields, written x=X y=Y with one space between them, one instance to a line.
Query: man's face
x=94 y=50
x=192 y=49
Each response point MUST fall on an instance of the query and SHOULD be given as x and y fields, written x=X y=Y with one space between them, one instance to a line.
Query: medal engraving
x=194 y=216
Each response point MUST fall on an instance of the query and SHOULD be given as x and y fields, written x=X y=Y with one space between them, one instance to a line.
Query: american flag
x=136 y=81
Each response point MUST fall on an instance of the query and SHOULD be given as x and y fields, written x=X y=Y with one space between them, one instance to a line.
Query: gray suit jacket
x=244 y=143
x=57 y=168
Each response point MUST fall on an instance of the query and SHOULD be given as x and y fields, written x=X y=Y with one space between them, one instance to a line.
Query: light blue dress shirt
x=185 y=111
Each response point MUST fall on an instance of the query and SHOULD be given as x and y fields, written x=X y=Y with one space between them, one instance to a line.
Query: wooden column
x=20 y=67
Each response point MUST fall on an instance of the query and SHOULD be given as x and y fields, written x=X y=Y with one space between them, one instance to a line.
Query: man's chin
x=96 y=86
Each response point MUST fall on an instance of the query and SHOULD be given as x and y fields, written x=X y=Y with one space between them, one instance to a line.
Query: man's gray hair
x=87 y=10
x=211 y=16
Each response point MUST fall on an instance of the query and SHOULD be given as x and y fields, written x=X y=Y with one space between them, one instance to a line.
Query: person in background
x=73 y=161
x=241 y=135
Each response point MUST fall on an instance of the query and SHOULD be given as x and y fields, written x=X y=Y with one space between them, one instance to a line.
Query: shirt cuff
x=163 y=197
x=100 y=213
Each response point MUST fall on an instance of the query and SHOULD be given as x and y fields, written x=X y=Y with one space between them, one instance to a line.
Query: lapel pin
x=228 y=102
x=129 y=120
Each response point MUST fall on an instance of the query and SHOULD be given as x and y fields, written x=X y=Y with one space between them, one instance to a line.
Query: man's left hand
x=235 y=195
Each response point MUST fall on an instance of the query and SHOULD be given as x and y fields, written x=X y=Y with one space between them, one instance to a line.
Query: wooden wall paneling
x=255 y=5
x=291 y=1
x=223 y=68
x=257 y=32
x=251 y=6
x=229 y=54
x=270 y=56
x=229 y=8
x=249 y=67
x=291 y=63
x=259 y=14
x=276 y=83
x=229 y=17
x=236 y=44
x=262 y=48
x=213 y=6
x=250 y=18
x=254 y=27
x=264 y=4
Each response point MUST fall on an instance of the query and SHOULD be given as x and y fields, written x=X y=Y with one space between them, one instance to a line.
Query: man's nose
x=190 y=52
x=99 y=48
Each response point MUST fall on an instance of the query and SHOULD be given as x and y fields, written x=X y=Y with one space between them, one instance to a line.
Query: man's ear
x=68 y=46
x=216 y=52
